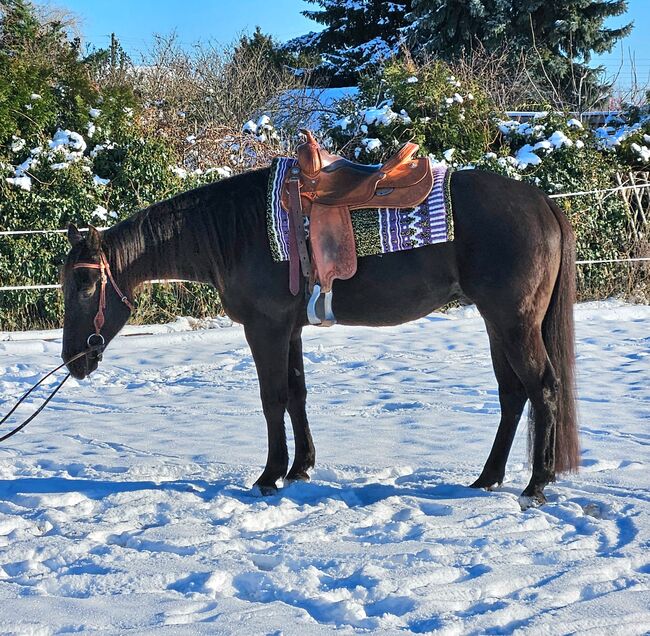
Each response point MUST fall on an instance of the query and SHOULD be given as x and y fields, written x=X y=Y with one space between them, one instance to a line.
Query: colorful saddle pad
x=376 y=231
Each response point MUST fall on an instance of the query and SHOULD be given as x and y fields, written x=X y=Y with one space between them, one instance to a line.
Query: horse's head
x=95 y=307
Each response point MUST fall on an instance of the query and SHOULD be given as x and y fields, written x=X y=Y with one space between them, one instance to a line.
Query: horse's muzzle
x=84 y=366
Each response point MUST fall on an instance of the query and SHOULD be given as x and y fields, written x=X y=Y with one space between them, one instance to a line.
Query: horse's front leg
x=269 y=345
x=305 y=456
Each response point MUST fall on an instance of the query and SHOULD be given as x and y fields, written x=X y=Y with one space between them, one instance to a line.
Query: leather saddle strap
x=297 y=240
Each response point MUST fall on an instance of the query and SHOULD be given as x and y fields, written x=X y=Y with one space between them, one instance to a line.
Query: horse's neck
x=159 y=248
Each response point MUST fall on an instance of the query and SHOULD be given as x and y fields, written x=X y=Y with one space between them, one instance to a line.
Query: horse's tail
x=559 y=338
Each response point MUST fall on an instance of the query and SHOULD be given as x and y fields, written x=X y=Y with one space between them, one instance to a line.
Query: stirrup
x=328 y=319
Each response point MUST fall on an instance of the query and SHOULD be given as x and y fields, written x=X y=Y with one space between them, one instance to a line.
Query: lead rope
x=42 y=406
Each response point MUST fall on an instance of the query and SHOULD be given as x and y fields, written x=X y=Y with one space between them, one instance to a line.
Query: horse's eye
x=87 y=292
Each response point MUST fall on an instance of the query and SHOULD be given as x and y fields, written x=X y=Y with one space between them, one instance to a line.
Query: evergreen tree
x=358 y=36
x=560 y=36
x=261 y=45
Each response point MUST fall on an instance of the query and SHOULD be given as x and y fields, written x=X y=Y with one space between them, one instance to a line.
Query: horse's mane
x=221 y=220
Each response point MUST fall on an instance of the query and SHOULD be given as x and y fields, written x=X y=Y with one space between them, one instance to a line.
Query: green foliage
x=140 y=174
x=358 y=37
x=250 y=48
x=163 y=303
x=600 y=222
x=425 y=104
x=43 y=83
x=562 y=34
x=49 y=173
x=573 y=159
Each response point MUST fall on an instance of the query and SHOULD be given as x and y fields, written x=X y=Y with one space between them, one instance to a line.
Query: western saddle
x=327 y=188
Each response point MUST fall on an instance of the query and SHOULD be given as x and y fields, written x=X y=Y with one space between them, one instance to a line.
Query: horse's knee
x=274 y=402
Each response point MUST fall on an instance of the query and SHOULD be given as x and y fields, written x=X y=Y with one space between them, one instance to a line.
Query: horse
x=513 y=256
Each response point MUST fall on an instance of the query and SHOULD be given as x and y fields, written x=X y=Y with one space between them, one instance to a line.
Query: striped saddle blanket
x=376 y=231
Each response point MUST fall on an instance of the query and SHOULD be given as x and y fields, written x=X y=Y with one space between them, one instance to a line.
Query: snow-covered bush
x=560 y=155
x=627 y=134
x=87 y=144
x=449 y=118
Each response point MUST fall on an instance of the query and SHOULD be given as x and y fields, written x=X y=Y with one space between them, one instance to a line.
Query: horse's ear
x=94 y=239
x=74 y=235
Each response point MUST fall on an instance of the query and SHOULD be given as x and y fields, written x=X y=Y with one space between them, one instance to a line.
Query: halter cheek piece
x=105 y=274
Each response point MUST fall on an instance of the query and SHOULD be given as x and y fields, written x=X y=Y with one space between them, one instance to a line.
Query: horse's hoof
x=486 y=484
x=531 y=501
x=297 y=476
x=263 y=491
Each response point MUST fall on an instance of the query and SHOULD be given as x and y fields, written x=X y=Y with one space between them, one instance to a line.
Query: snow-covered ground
x=126 y=505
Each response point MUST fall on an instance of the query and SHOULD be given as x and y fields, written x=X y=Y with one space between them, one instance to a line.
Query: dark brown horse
x=513 y=256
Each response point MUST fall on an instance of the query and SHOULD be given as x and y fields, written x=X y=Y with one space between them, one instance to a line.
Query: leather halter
x=105 y=273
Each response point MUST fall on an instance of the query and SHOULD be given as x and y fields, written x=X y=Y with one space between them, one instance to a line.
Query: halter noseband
x=105 y=273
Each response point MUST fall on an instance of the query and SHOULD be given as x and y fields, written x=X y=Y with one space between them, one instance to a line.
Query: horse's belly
x=396 y=288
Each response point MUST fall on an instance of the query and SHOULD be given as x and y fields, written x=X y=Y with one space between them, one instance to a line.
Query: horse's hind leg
x=269 y=345
x=512 y=398
x=528 y=357
x=305 y=455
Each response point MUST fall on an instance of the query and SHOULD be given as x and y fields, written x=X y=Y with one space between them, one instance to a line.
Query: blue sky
x=136 y=21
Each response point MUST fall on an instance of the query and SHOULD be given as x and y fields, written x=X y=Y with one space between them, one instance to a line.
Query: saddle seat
x=327 y=188
x=332 y=180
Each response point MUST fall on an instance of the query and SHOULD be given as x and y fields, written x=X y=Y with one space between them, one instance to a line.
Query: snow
x=98 y=181
x=181 y=173
x=382 y=116
x=342 y=123
x=24 y=166
x=250 y=127
x=371 y=144
x=126 y=505
x=101 y=213
x=17 y=143
x=526 y=157
x=610 y=137
x=449 y=154
x=67 y=139
x=24 y=182
x=223 y=171
x=559 y=139
x=642 y=151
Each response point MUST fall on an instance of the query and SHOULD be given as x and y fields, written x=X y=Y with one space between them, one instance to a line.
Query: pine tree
x=560 y=36
x=358 y=36
x=260 y=45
